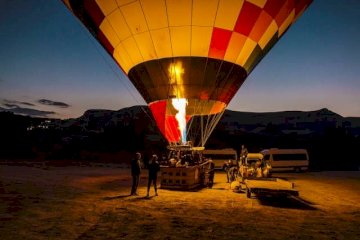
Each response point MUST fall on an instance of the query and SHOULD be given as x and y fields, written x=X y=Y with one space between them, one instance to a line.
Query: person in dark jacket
x=226 y=167
x=243 y=155
x=135 y=173
x=153 y=168
x=233 y=172
x=211 y=173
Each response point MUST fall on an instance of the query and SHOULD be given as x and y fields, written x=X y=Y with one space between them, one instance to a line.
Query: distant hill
x=332 y=140
x=300 y=122
x=354 y=121
x=282 y=117
x=98 y=119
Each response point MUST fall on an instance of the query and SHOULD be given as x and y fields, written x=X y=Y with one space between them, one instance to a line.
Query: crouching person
x=153 y=168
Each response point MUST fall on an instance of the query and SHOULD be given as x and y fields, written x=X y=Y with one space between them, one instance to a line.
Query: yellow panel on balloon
x=107 y=6
x=269 y=33
x=155 y=13
x=179 y=12
x=134 y=17
x=146 y=46
x=122 y=58
x=180 y=40
x=286 y=23
x=133 y=50
x=109 y=32
x=124 y=2
x=246 y=51
x=236 y=43
x=204 y=12
x=200 y=41
x=119 y=25
x=259 y=3
x=227 y=14
x=162 y=43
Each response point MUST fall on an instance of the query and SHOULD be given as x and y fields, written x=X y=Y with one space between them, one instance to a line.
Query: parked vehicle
x=253 y=158
x=287 y=159
x=254 y=166
x=220 y=156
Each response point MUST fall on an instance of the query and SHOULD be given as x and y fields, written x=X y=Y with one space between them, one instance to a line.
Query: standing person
x=211 y=172
x=243 y=154
x=153 y=167
x=135 y=173
x=226 y=167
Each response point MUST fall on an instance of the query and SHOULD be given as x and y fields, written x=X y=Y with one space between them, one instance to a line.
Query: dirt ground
x=38 y=202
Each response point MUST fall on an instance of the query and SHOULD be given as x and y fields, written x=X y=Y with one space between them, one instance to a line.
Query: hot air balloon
x=187 y=58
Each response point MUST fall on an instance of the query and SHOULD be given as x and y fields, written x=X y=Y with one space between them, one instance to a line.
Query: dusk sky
x=51 y=66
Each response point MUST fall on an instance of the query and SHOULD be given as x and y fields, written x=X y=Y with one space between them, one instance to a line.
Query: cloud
x=9 y=105
x=14 y=102
x=27 y=104
x=53 y=103
x=26 y=108
x=28 y=111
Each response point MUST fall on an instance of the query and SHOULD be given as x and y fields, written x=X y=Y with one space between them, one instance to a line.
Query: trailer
x=269 y=187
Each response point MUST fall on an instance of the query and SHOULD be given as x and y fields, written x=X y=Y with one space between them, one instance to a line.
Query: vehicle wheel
x=248 y=193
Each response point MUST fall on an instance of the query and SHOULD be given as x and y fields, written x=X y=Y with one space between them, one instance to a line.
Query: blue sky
x=46 y=54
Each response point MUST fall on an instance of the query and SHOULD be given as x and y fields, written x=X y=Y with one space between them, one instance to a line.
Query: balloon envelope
x=199 y=50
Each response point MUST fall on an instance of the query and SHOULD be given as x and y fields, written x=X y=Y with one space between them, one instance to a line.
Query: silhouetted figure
x=153 y=168
x=211 y=174
x=226 y=167
x=135 y=173
x=233 y=171
x=243 y=154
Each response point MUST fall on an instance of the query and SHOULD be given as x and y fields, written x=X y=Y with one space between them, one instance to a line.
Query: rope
x=116 y=73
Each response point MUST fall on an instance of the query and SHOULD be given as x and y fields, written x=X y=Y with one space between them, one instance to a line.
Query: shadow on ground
x=290 y=202
x=116 y=197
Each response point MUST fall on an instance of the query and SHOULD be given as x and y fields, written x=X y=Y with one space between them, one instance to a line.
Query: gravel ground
x=40 y=202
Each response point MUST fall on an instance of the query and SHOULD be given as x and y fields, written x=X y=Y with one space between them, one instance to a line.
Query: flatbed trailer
x=269 y=186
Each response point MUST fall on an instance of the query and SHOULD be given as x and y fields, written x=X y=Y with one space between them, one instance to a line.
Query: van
x=220 y=156
x=287 y=159
x=253 y=158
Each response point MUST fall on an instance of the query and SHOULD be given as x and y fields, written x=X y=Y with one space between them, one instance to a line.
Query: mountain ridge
x=279 y=117
x=288 y=117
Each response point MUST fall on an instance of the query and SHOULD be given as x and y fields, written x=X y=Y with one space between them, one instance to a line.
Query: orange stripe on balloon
x=260 y=26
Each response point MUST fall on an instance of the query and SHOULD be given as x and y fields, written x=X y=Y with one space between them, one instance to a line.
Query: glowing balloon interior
x=197 y=50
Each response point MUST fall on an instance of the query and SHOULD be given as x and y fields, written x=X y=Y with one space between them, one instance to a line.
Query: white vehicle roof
x=283 y=151
x=255 y=156
x=219 y=151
